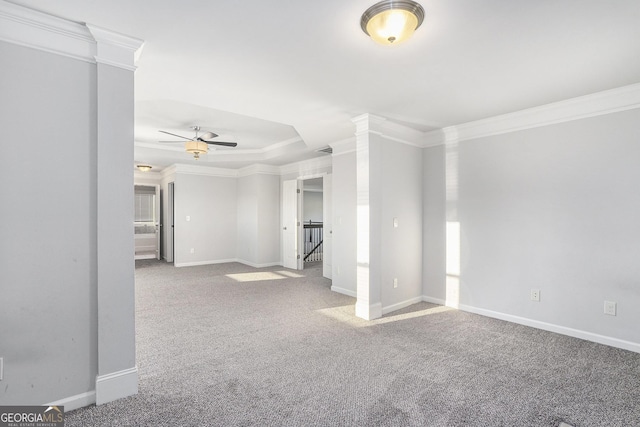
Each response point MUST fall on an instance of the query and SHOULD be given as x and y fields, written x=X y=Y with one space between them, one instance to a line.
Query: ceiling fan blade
x=222 y=143
x=208 y=135
x=173 y=134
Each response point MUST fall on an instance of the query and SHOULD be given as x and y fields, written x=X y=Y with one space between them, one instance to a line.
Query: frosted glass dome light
x=391 y=22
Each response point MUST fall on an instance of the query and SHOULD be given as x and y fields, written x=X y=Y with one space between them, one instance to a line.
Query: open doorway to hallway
x=306 y=223
x=312 y=223
x=147 y=221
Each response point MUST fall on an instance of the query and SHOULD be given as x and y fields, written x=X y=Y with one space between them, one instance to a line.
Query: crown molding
x=206 y=171
x=306 y=167
x=303 y=167
x=366 y=123
x=85 y=42
x=387 y=129
x=258 y=169
x=168 y=172
x=596 y=104
x=282 y=144
x=343 y=147
x=115 y=49
x=150 y=176
x=38 y=30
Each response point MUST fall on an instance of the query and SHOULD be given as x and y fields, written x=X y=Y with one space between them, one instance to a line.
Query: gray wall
x=211 y=204
x=553 y=208
x=115 y=245
x=231 y=218
x=167 y=231
x=248 y=218
x=434 y=209
x=312 y=209
x=401 y=198
x=48 y=277
x=268 y=238
x=344 y=223
x=259 y=219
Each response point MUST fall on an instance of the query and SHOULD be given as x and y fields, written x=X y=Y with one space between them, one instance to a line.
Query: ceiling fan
x=200 y=144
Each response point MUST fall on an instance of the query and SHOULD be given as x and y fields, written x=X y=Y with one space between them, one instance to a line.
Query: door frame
x=298 y=215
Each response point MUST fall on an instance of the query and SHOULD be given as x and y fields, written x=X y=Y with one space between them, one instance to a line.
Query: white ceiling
x=284 y=78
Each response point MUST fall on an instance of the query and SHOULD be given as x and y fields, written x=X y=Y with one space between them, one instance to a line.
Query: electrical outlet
x=395 y=282
x=535 y=295
x=193 y=251
x=610 y=308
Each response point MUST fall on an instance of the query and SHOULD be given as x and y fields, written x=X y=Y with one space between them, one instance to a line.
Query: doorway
x=312 y=223
x=169 y=229
x=146 y=223
x=306 y=220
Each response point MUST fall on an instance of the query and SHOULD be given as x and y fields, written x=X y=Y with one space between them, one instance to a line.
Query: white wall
x=344 y=223
x=553 y=208
x=211 y=204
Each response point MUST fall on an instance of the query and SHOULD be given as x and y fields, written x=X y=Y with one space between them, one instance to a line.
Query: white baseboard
x=75 y=402
x=116 y=385
x=344 y=291
x=403 y=304
x=432 y=300
x=224 y=261
x=255 y=265
x=196 y=263
x=563 y=330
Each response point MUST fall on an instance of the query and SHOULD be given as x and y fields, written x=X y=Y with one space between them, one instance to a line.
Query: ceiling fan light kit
x=199 y=144
x=196 y=148
x=391 y=22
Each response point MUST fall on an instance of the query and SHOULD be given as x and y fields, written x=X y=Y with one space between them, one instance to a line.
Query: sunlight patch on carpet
x=256 y=277
x=346 y=314
x=290 y=274
x=412 y=315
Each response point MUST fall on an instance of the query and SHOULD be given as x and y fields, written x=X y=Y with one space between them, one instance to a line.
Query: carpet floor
x=230 y=345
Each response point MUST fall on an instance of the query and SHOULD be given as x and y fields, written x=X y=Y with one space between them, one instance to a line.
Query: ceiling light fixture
x=196 y=148
x=144 y=168
x=391 y=22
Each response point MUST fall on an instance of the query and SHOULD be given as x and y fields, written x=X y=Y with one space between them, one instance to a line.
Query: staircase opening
x=313 y=229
